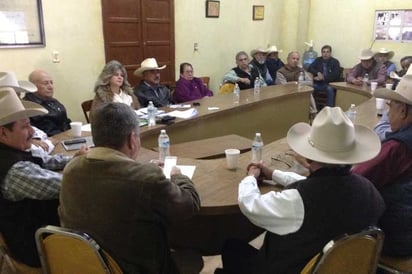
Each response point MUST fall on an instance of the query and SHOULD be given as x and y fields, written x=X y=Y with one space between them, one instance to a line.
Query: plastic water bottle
x=236 y=94
x=257 y=148
x=151 y=114
x=301 y=79
x=256 y=86
x=351 y=113
x=164 y=146
x=309 y=56
x=365 y=80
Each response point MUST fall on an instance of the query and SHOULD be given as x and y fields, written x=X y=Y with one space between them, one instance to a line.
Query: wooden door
x=137 y=29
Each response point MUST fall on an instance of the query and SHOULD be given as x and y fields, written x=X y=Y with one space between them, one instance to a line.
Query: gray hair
x=240 y=53
x=108 y=71
x=112 y=125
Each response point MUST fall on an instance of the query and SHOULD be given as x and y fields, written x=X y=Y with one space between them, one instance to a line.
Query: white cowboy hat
x=385 y=51
x=259 y=49
x=333 y=139
x=272 y=49
x=8 y=79
x=147 y=64
x=13 y=109
x=366 y=54
x=403 y=91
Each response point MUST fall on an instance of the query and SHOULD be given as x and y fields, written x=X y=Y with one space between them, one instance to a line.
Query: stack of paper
x=184 y=114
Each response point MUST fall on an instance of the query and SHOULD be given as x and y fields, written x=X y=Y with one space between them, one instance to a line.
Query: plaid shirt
x=29 y=180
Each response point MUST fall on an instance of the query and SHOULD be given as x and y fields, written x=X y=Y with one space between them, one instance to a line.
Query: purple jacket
x=188 y=90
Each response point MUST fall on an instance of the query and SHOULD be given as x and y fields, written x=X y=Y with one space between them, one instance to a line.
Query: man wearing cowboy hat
x=259 y=63
x=56 y=120
x=307 y=214
x=325 y=69
x=29 y=189
x=150 y=88
x=391 y=170
x=368 y=65
x=273 y=61
x=384 y=56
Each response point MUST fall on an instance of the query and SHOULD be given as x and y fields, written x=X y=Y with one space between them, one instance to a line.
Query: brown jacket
x=127 y=206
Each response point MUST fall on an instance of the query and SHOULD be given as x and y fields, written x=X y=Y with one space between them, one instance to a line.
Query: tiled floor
x=212 y=262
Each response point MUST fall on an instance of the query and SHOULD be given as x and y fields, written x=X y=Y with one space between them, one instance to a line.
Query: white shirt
x=123 y=98
x=280 y=212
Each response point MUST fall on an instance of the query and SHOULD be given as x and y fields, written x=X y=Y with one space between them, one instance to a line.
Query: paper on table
x=87 y=127
x=180 y=106
x=171 y=161
x=141 y=112
x=187 y=170
x=184 y=114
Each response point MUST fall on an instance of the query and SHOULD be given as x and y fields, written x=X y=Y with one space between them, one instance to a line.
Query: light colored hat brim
x=391 y=95
x=31 y=110
x=139 y=71
x=389 y=53
x=367 y=146
x=24 y=86
x=253 y=52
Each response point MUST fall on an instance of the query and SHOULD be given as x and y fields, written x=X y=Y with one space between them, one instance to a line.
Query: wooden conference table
x=220 y=217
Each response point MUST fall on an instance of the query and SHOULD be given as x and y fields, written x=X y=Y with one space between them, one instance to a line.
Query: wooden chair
x=205 y=80
x=10 y=265
x=353 y=254
x=86 y=107
x=395 y=265
x=226 y=88
x=66 y=251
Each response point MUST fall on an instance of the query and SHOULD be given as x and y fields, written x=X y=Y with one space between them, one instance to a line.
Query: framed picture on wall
x=21 y=24
x=212 y=8
x=258 y=12
x=393 y=25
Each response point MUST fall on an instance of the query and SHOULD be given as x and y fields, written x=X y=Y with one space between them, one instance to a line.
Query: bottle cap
x=163 y=131
x=257 y=133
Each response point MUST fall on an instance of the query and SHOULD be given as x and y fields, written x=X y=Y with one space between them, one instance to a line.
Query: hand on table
x=41 y=144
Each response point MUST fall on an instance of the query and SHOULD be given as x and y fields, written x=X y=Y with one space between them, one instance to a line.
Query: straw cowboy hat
x=333 y=139
x=403 y=91
x=13 y=109
x=272 y=49
x=385 y=51
x=366 y=54
x=8 y=79
x=147 y=64
x=259 y=49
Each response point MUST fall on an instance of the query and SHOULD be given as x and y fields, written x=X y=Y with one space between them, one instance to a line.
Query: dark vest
x=290 y=75
x=243 y=74
x=19 y=220
x=335 y=202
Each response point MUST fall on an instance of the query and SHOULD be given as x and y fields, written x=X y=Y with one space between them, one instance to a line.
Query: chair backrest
x=86 y=107
x=226 y=88
x=353 y=254
x=65 y=250
x=205 y=80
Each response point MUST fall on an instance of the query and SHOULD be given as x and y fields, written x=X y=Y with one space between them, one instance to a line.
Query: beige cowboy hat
x=147 y=64
x=259 y=49
x=272 y=49
x=333 y=139
x=390 y=53
x=13 y=109
x=366 y=54
x=9 y=79
x=403 y=91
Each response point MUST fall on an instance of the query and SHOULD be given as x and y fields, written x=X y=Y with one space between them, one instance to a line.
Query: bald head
x=43 y=82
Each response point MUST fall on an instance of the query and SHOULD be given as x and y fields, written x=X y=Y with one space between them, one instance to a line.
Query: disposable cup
x=374 y=85
x=380 y=105
x=389 y=86
x=76 y=129
x=232 y=158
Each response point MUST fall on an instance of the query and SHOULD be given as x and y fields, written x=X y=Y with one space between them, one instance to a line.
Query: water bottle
x=151 y=114
x=365 y=80
x=351 y=113
x=301 y=79
x=257 y=148
x=309 y=56
x=236 y=94
x=164 y=146
x=256 y=86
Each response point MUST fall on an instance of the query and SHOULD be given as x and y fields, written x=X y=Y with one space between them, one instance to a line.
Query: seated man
x=367 y=68
x=244 y=74
x=259 y=62
x=384 y=56
x=325 y=69
x=290 y=71
x=28 y=185
x=405 y=63
x=273 y=61
x=150 y=88
x=307 y=214
x=127 y=205
x=188 y=87
x=391 y=170
x=56 y=120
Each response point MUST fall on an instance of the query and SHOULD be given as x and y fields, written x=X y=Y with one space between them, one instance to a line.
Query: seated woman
x=112 y=86
x=189 y=88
